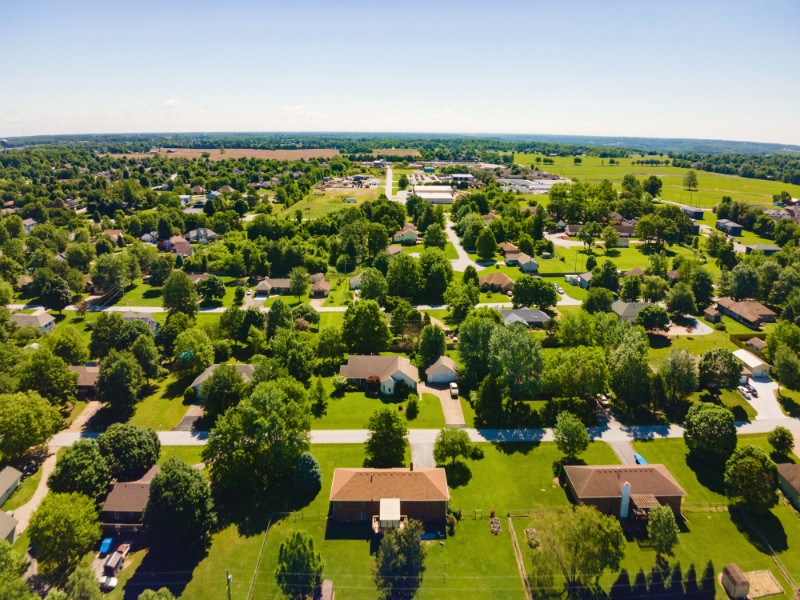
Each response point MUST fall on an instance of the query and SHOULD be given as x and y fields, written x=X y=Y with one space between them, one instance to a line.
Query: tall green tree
x=486 y=244
x=530 y=291
x=68 y=344
x=751 y=479
x=629 y=370
x=679 y=373
x=403 y=277
x=83 y=469
x=26 y=421
x=710 y=433
x=506 y=345
x=280 y=315
x=719 y=369
x=180 y=512
x=598 y=300
x=681 y=300
x=373 y=285
x=56 y=294
x=690 y=181
x=62 y=530
x=223 y=389
x=146 y=354
x=387 y=440
x=365 y=330
x=570 y=435
x=193 y=351
x=473 y=347
x=631 y=289
x=662 y=529
x=299 y=572
x=43 y=372
x=121 y=380
x=129 y=450
x=400 y=562
x=179 y=294
x=82 y=584
x=211 y=288
x=299 y=283
x=451 y=443
x=431 y=344
x=257 y=443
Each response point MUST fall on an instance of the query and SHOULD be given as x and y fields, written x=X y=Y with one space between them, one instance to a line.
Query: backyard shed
x=734 y=581
x=9 y=482
x=8 y=527
x=789 y=482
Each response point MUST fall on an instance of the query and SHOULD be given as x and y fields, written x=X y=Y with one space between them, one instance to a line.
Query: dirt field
x=240 y=153
x=395 y=152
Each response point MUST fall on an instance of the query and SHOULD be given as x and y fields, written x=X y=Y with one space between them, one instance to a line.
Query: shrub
x=222 y=351
x=339 y=383
x=307 y=476
x=451 y=525
x=719 y=326
x=412 y=407
x=781 y=440
x=476 y=453
x=189 y=395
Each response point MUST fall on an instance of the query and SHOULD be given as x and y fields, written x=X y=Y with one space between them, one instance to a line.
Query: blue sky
x=701 y=69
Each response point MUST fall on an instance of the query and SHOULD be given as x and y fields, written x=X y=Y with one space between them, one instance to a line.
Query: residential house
x=245 y=370
x=150 y=238
x=523 y=261
x=178 y=244
x=315 y=277
x=381 y=372
x=275 y=285
x=507 y=248
x=628 y=311
x=198 y=189
x=10 y=479
x=407 y=235
x=213 y=195
x=528 y=317
x=320 y=289
x=41 y=320
x=393 y=249
x=122 y=512
x=263 y=288
x=757 y=367
x=624 y=231
x=756 y=345
x=113 y=234
x=765 y=249
x=497 y=281
x=489 y=217
x=388 y=498
x=24 y=282
x=573 y=229
x=585 y=280
x=86 y=383
x=197 y=277
x=202 y=235
x=29 y=224
x=748 y=312
x=226 y=189
x=729 y=227
x=673 y=276
x=638 y=271
x=626 y=491
x=789 y=482
x=8 y=527
x=443 y=370
x=186 y=199
x=145 y=318
x=355 y=282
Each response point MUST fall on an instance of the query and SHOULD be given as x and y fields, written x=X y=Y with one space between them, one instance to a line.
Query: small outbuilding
x=8 y=527
x=735 y=583
x=789 y=482
x=756 y=366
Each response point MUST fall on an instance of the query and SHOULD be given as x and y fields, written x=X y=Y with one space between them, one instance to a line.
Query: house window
x=362 y=515
x=116 y=516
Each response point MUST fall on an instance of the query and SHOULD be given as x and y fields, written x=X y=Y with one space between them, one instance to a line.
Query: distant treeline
x=777 y=167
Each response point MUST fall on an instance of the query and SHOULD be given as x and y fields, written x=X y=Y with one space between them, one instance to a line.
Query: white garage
x=757 y=367
x=444 y=370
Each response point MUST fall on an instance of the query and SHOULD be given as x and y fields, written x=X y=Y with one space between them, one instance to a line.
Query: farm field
x=216 y=155
x=712 y=188
x=395 y=152
x=318 y=203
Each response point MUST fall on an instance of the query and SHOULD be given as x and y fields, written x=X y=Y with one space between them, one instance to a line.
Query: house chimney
x=625 y=502
x=412 y=467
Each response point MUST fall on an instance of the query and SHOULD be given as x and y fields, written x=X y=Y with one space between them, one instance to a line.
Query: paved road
x=23 y=513
x=463 y=261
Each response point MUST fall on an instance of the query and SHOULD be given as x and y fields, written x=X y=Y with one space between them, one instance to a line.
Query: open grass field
x=163 y=408
x=449 y=250
x=143 y=294
x=712 y=188
x=319 y=203
x=216 y=154
x=353 y=410
x=660 y=345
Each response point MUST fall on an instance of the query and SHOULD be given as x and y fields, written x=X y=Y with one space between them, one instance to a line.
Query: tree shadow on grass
x=708 y=475
x=152 y=293
x=760 y=529
x=107 y=416
x=514 y=447
x=658 y=341
x=160 y=568
x=790 y=405
x=458 y=474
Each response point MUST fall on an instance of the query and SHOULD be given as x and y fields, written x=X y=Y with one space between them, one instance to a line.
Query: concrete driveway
x=766 y=405
x=451 y=407
x=463 y=261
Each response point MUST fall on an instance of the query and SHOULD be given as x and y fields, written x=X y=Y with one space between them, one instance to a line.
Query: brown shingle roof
x=791 y=473
x=245 y=370
x=364 y=366
x=321 y=286
x=130 y=496
x=606 y=481
x=750 y=310
x=87 y=376
x=353 y=485
x=497 y=278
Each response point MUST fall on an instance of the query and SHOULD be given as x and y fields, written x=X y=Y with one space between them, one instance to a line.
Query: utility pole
x=229 y=579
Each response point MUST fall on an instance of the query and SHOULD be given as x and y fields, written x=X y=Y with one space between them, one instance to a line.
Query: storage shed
x=734 y=581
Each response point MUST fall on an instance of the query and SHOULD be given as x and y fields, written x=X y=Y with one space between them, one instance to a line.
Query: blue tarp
x=105 y=546
x=639 y=459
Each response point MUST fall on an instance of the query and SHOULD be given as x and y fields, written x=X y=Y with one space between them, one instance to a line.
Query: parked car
x=753 y=391
x=107 y=583
x=29 y=468
x=249 y=292
x=744 y=392
x=454 y=390
x=559 y=289
x=105 y=546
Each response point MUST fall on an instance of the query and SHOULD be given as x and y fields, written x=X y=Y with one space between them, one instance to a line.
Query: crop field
x=712 y=188
x=216 y=154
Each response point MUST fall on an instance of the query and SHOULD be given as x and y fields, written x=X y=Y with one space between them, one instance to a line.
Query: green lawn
x=712 y=188
x=340 y=292
x=24 y=492
x=517 y=477
x=188 y=454
x=731 y=399
x=660 y=345
x=330 y=319
x=625 y=259
x=164 y=407
x=318 y=205
x=353 y=410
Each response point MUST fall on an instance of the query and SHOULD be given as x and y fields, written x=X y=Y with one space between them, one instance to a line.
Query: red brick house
x=357 y=495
